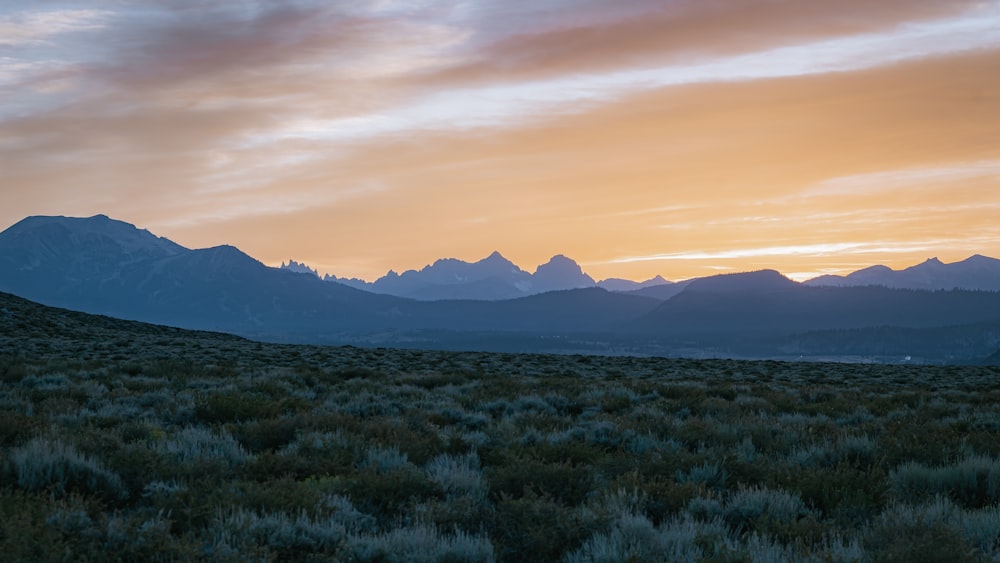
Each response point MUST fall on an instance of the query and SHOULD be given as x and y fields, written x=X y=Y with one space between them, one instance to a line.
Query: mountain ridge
x=492 y=278
x=977 y=272
x=101 y=266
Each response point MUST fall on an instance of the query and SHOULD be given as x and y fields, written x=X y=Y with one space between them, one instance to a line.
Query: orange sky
x=672 y=137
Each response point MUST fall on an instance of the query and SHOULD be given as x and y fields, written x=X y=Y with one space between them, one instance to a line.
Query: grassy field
x=126 y=441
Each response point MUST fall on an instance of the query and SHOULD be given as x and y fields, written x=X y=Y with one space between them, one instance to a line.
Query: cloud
x=576 y=126
x=813 y=250
x=511 y=103
x=512 y=45
x=892 y=180
x=227 y=207
x=37 y=27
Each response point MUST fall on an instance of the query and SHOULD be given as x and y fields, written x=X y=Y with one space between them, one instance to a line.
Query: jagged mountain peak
x=298 y=267
x=561 y=272
x=933 y=262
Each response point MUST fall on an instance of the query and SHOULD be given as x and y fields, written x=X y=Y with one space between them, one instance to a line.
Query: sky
x=639 y=137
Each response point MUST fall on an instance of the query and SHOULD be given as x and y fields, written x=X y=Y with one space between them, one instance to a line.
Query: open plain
x=121 y=440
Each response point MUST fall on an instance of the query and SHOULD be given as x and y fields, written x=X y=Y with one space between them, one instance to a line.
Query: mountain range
x=99 y=265
x=492 y=278
x=976 y=272
x=497 y=278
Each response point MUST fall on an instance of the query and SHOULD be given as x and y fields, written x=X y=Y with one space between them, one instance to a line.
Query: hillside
x=159 y=443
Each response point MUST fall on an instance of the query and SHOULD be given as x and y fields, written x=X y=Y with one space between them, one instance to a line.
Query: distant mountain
x=98 y=265
x=623 y=285
x=102 y=266
x=560 y=273
x=767 y=303
x=741 y=283
x=298 y=268
x=493 y=278
x=722 y=283
x=572 y=310
x=661 y=292
x=976 y=272
x=66 y=259
x=356 y=283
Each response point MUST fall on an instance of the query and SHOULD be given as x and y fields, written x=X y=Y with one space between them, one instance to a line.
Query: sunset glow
x=679 y=137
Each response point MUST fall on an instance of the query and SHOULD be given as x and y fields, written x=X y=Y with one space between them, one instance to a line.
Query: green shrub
x=660 y=496
x=15 y=427
x=712 y=475
x=221 y=408
x=845 y=493
x=420 y=543
x=12 y=369
x=267 y=434
x=538 y=528
x=564 y=482
x=240 y=532
x=936 y=531
x=458 y=476
x=385 y=494
x=632 y=537
x=194 y=444
x=24 y=533
x=50 y=464
x=973 y=481
x=749 y=506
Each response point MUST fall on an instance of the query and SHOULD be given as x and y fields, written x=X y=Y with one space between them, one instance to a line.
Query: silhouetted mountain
x=573 y=310
x=722 y=283
x=745 y=282
x=661 y=292
x=558 y=273
x=975 y=273
x=774 y=305
x=493 y=278
x=101 y=266
x=68 y=259
x=356 y=283
x=622 y=285
x=298 y=268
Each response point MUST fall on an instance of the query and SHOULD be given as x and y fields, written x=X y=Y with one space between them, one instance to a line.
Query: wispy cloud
x=891 y=180
x=749 y=129
x=827 y=249
x=37 y=27
x=509 y=105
